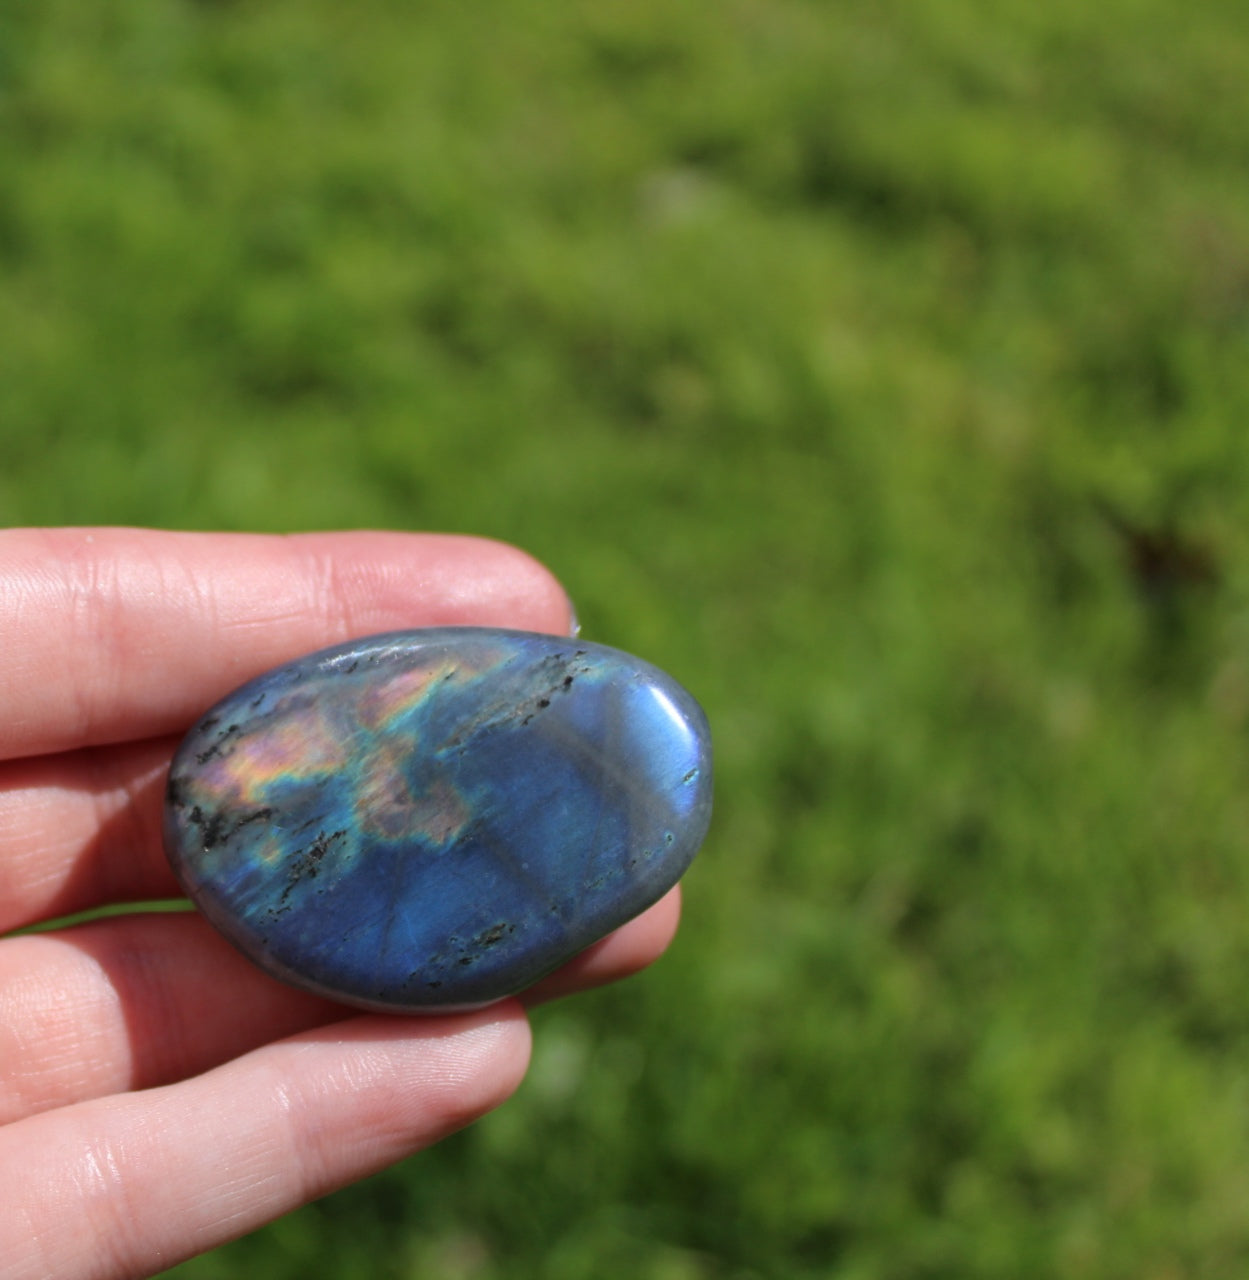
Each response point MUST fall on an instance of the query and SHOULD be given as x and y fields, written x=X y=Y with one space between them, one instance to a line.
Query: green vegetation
x=882 y=370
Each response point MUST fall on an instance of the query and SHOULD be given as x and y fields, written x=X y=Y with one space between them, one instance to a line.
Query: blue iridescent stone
x=437 y=819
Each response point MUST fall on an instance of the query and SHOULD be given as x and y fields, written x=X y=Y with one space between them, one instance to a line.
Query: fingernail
x=574 y=623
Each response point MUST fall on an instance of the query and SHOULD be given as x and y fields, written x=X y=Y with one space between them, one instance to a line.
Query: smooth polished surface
x=437 y=819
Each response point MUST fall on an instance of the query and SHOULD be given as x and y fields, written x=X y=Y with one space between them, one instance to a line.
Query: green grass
x=883 y=372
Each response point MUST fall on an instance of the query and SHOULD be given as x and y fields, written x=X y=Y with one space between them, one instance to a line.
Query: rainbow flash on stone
x=436 y=819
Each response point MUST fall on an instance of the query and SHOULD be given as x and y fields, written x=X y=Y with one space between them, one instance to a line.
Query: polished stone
x=437 y=819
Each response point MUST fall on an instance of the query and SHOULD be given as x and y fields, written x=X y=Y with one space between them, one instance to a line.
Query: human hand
x=159 y=1095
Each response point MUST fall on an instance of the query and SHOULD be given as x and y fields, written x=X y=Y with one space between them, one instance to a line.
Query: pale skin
x=158 y=1095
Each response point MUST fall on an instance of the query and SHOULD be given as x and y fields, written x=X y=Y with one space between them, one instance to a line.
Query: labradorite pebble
x=436 y=819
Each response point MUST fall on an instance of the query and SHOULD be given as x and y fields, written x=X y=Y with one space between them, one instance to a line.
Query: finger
x=114 y=634
x=137 y=1001
x=83 y=829
x=621 y=954
x=130 y=1184
x=131 y=1002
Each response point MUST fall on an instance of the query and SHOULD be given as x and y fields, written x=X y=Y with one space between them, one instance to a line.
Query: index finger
x=115 y=634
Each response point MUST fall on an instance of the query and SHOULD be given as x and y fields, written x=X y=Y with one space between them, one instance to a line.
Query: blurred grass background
x=882 y=370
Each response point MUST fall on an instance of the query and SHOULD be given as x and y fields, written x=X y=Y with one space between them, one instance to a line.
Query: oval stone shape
x=436 y=819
